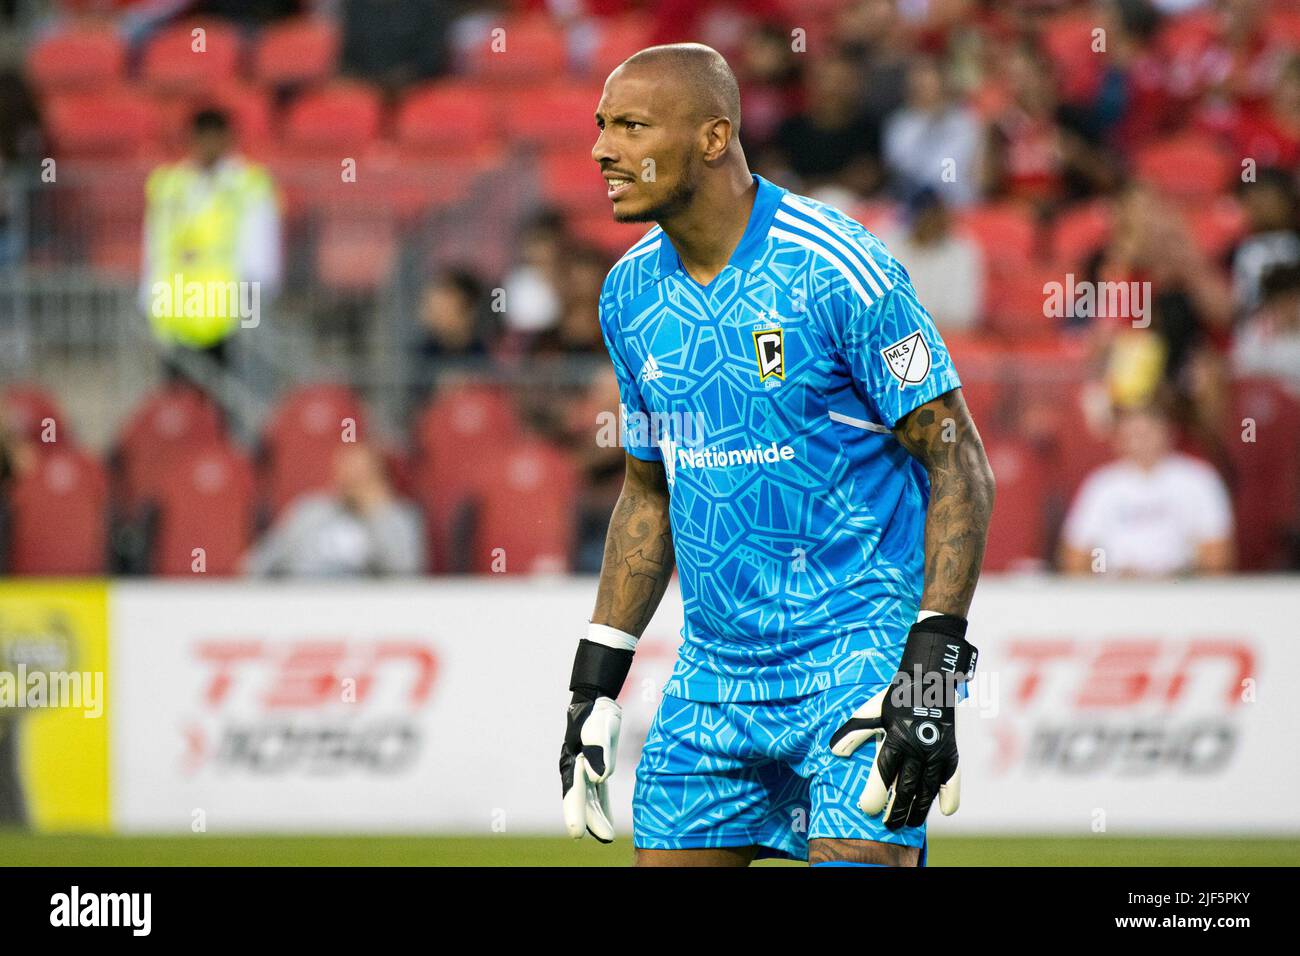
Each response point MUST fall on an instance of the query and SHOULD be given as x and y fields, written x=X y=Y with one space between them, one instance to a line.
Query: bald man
x=798 y=447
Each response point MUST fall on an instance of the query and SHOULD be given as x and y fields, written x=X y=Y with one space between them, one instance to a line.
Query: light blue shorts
x=756 y=774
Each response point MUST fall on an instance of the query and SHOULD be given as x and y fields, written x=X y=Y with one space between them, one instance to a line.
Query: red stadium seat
x=1266 y=473
x=57 y=516
x=534 y=51
x=1068 y=41
x=528 y=522
x=249 y=108
x=1005 y=231
x=1217 y=225
x=1016 y=540
x=556 y=117
x=77 y=59
x=1187 y=167
x=168 y=423
x=205 y=501
x=980 y=360
x=432 y=182
x=1080 y=231
x=620 y=37
x=1187 y=32
x=114 y=122
x=462 y=419
x=1285 y=23
x=296 y=52
x=1055 y=418
x=1015 y=305
x=178 y=57
x=573 y=181
x=26 y=409
x=341 y=119
x=446 y=117
x=459 y=437
x=600 y=230
x=302 y=436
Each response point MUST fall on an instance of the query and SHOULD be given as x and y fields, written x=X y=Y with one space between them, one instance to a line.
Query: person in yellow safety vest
x=211 y=242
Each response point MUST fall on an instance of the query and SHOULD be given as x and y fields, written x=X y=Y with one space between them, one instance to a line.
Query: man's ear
x=717 y=138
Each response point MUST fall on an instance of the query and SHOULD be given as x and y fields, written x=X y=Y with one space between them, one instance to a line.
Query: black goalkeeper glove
x=591 y=737
x=915 y=721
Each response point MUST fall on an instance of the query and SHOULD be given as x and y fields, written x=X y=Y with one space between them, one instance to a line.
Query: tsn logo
x=316 y=673
x=1125 y=673
x=1123 y=707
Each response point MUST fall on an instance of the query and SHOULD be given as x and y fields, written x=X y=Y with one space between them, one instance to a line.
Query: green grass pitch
x=24 y=849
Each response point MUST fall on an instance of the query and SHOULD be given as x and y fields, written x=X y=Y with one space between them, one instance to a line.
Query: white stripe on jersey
x=858 y=423
x=647 y=243
x=815 y=246
x=798 y=204
x=831 y=242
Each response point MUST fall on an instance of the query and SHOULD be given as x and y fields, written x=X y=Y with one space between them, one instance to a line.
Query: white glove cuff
x=611 y=637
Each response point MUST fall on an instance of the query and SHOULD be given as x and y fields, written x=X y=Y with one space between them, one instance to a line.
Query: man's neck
x=706 y=234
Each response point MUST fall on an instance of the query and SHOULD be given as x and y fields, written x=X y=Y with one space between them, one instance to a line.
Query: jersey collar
x=751 y=243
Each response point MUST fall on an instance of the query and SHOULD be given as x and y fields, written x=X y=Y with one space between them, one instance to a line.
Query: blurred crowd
x=998 y=148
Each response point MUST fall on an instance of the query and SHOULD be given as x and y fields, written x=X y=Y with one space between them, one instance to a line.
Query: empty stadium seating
x=167 y=423
x=296 y=52
x=57 y=516
x=206 y=505
x=77 y=59
x=301 y=438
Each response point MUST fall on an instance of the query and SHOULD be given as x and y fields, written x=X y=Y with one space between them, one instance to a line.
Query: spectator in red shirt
x=1133 y=104
x=1270 y=134
x=1238 y=66
x=1039 y=150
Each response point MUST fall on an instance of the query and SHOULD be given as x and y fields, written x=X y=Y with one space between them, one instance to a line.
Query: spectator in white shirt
x=358 y=528
x=1268 y=343
x=933 y=140
x=946 y=269
x=1152 y=513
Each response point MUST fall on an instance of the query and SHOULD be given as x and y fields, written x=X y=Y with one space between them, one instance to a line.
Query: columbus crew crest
x=908 y=360
x=769 y=344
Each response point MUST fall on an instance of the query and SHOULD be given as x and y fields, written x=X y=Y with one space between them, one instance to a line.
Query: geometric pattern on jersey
x=755 y=774
x=770 y=395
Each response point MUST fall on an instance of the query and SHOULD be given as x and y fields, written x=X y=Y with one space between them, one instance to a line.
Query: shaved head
x=668 y=120
x=708 y=84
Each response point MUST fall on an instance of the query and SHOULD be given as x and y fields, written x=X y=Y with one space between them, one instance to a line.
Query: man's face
x=209 y=145
x=649 y=146
x=1143 y=437
x=355 y=467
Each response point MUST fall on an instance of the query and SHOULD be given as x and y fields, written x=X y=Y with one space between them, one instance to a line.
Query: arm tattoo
x=638 y=551
x=941 y=435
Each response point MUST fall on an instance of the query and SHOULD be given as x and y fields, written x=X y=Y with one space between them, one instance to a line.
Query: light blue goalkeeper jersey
x=769 y=395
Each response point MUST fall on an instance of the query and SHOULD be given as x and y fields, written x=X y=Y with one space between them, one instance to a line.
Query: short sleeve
x=632 y=413
x=894 y=351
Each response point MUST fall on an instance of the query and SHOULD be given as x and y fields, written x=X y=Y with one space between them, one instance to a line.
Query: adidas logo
x=651 y=370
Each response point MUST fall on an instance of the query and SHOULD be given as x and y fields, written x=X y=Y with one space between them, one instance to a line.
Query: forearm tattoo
x=941 y=435
x=638 y=553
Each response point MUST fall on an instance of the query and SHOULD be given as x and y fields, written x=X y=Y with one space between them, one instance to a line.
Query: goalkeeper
x=827 y=525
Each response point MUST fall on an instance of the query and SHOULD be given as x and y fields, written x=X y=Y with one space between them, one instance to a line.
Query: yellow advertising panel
x=54 y=771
